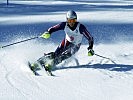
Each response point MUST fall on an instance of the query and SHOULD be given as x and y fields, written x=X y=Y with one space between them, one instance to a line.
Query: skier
x=74 y=33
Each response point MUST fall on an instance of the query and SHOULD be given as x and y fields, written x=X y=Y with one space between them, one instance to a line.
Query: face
x=71 y=22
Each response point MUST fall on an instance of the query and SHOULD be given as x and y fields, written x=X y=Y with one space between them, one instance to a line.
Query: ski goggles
x=71 y=20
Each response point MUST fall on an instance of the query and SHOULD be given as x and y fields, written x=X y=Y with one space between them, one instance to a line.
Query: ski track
x=9 y=79
x=9 y=76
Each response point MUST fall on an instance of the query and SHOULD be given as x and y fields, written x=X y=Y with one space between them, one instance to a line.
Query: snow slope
x=95 y=78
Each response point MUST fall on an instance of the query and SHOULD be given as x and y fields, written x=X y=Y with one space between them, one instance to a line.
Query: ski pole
x=19 y=42
x=105 y=58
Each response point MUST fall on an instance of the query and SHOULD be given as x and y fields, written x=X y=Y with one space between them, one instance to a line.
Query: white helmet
x=71 y=15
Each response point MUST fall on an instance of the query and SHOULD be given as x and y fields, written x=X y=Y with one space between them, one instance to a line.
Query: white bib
x=74 y=36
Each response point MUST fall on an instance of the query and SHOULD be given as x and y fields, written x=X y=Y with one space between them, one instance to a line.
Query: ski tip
x=29 y=64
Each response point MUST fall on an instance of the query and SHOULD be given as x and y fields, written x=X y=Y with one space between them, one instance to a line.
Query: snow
x=95 y=78
x=118 y=17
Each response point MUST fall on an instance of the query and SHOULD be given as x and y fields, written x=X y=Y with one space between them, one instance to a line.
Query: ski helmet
x=71 y=15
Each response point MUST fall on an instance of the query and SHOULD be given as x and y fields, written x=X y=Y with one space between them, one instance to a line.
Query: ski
x=49 y=73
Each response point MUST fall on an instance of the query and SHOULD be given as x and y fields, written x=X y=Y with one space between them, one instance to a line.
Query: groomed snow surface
x=95 y=78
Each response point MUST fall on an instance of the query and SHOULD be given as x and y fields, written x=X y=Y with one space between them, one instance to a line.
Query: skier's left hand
x=91 y=52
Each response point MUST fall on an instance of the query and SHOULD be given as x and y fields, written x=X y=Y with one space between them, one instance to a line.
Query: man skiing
x=71 y=43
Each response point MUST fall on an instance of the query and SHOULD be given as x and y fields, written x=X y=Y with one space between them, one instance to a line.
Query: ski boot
x=34 y=67
x=48 y=69
x=47 y=62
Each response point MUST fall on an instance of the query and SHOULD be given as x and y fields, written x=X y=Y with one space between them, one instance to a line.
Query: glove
x=90 y=52
x=45 y=35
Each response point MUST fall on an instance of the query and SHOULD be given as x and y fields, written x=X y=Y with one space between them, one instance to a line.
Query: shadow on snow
x=110 y=67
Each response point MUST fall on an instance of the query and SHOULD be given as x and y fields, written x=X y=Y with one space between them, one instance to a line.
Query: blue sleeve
x=57 y=27
x=87 y=34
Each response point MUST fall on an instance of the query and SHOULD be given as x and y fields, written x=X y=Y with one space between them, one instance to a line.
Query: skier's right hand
x=45 y=35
